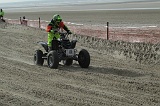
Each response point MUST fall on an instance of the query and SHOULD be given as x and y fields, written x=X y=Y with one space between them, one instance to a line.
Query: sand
x=113 y=77
x=118 y=14
x=120 y=73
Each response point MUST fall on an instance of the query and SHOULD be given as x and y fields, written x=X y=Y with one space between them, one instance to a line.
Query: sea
x=49 y=3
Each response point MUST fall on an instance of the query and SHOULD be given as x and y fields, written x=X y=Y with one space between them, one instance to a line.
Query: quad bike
x=61 y=50
x=1 y=19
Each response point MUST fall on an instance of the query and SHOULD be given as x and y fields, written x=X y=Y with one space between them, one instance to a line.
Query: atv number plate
x=70 y=52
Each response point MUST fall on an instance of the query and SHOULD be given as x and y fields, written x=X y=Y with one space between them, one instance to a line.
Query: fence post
x=107 y=36
x=39 y=22
x=20 y=20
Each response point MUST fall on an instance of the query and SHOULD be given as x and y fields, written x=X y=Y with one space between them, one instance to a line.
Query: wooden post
x=20 y=20
x=39 y=22
x=107 y=31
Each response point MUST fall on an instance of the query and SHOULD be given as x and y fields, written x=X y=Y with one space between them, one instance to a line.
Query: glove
x=69 y=32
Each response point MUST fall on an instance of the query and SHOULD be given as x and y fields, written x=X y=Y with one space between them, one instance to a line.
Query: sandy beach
x=130 y=13
x=120 y=73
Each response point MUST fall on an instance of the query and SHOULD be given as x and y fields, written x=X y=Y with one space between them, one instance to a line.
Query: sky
x=8 y=1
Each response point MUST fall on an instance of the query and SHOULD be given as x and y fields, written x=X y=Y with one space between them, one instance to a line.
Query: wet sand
x=118 y=14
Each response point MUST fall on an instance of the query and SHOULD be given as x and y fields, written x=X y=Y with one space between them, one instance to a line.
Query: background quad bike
x=59 y=53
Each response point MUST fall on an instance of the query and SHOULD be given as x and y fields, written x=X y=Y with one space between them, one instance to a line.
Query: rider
x=53 y=27
x=1 y=14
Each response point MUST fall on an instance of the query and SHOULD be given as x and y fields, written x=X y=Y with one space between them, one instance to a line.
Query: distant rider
x=53 y=27
x=1 y=14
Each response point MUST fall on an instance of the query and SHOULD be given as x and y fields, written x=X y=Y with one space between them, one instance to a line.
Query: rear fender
x=44 y=45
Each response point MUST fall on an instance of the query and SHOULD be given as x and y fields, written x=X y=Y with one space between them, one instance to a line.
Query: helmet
x=57 y=18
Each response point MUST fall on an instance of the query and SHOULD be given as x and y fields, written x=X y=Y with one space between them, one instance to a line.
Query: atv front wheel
x=53 y=59
x=84 y=58
x=38 y=60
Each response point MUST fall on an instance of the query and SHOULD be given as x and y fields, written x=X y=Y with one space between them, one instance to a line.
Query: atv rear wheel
x=84 y=58
x=53 y=59
x=38 y=60
x=68 y=62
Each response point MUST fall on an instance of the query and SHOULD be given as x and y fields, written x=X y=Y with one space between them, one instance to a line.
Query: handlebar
x=63 y=35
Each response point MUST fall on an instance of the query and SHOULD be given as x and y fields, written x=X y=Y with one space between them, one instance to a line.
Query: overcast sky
x=7 y=1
